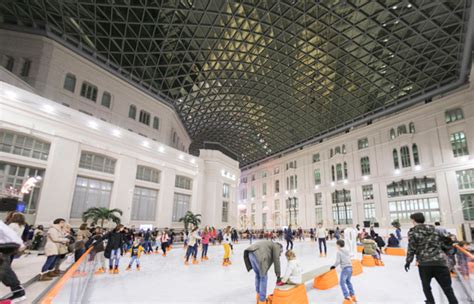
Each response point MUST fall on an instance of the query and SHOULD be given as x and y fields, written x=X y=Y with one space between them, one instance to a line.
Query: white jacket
x=321 y=233
x=8 y=235
x=226 y=238
x=193 y=237
x=293 y=273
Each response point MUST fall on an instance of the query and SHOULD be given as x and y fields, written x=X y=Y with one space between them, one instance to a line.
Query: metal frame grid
x=259 y=77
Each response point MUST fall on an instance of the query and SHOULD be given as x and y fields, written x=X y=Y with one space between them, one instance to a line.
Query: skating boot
x=138 y=267
x=128 y=268
x=186 y=263
x=195 y=261
x=116 y=270
x=354 y=299
x=347 y=301
x=111 y=270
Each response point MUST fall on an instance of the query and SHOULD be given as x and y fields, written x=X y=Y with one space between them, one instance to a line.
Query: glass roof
x=259 y=77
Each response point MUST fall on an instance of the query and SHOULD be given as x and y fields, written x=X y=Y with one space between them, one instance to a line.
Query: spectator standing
x=55 y=240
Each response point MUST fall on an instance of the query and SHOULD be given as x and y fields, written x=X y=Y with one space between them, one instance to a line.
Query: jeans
x=189 y=252
x=134 y=259
x=288 y=242
x=164 y=245
x=204 y=250
x=49 y=264
x=147 y=246
x=442 y=276
x=114 y=258
x=195 y=251
x=322 y=241
x=260 y=279
x=345 y=282
x=7 y=275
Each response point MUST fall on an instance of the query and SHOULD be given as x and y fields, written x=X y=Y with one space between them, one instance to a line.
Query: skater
x=343 y=258
x=97 y=243
x=293 y=273
x=370 y=248
x=114 y=248
x=164 y=238
x=205 y=237
x=135 y=253
x=393 y=241
x=260 y=257
x=193 y=237
x=226 y=240
x=322 y=234
x=289 y=237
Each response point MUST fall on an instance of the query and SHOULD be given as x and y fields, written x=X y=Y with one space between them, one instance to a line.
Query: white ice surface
x=167 y=280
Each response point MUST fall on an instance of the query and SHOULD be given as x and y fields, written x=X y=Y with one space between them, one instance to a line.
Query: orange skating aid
x=379 y=262
x=295 y=295
x=395 y=251
x=368 y=260
x=347 y=301
x=360 y=248
x=356 y=267
x=326 y=281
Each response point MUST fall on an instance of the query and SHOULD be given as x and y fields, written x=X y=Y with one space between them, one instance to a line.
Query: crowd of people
x=432 y=245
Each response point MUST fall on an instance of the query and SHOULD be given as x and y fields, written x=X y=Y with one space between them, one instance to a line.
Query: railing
x=464 y=280
x=70 y=288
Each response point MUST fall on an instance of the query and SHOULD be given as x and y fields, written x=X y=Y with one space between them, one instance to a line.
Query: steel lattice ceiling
x=259 y=77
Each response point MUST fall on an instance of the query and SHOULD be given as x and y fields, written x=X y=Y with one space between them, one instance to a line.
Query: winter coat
x=83 y=235
x=380 y=242
x=55 y=242
x=9 y=240
x=426 y=243
x=370 y=247
x=267 y=253
x=393 y=242
x=288 y=234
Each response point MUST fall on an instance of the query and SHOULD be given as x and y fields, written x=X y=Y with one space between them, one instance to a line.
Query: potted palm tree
x=101 y=214
x=190 y=218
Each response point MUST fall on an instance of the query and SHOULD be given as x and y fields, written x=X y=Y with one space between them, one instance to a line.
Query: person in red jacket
x=206 y=235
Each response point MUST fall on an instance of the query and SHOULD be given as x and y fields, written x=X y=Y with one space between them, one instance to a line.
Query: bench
x=296 y=294
x=395 y=251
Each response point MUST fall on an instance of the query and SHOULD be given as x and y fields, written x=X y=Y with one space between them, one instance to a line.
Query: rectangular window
x=243 y=194
x=318 y=199
x=25 y=68
x=252 y=208
x=277 y=204
x=467 y=203
x=316 y=158
x=414 y=186
x=339 y=171
x=405 y=156
x=454 y=115
x=264 y=189
x=156 y=123
x=253 y=177
x=459 y=144
x=180 y=206
x=402 y=210
x=106 y=100
x=243 y=180
x=264 y=174
x=369 y=211
x=317 y=177
x=70 y=82
x=363 y=143
x=465 y=179
x=277 y=186
x=90 y=192
x=144 y=204
x=264 y=220
x=24 y=145
x=276 y=170
x=318 y=215
x=13 y=177
x=8 y=62
x=252 y=191
x=225 y=212
x=367 y=192
x=148 y=174
x=365 y=165
x=89 y=91
x=97 y=162
x=132 y=112
x=183 y=182
x=226 y=191
x=144 y=117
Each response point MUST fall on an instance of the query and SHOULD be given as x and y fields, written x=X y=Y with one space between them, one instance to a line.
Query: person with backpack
x=427 y=244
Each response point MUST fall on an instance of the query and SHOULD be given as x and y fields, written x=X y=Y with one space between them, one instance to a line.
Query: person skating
x=226 y=241
x=370 y=248
x=260 y=257
x=164 y=239
x=426 y=243
x=193 y=237
x=343 y=258
x=114 y=248
x=205 y=238
x=135 y=253
x=289 y=238
x=321 y=235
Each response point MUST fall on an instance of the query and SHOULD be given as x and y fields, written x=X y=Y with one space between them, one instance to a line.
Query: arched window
x=405 y=156
x=392 y=134
x=331 y=152
x=395 y=159
x=416 y=156
x=337 y=150
x=332 y=173
x=339 y=171
x=411 y=127
x=365 y=165
x=345 y=170
x=402 y=129
x=343 y=149
x=132 y=112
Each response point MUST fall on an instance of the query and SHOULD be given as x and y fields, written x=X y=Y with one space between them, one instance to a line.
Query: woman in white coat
x=55 y=239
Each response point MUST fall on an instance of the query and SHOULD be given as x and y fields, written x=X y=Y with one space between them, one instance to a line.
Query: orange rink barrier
x=326 y=281
x=356 y=267
x=395 y=251
x=368 y=260
x=296 y=295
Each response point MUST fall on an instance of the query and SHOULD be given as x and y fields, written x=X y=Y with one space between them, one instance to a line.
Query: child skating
x=135 y=253
x=343 y=258
x=226 y=240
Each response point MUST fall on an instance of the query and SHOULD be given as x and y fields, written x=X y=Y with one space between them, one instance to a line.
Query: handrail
x=49 y=297
x=469 y=255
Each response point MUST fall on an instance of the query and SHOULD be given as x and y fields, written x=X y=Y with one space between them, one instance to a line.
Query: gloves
x=333 y=267
x=407 y=267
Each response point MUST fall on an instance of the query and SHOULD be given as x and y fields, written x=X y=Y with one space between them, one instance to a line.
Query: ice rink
x=168 y=280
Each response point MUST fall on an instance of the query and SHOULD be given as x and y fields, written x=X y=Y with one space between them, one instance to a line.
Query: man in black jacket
x=426 y=243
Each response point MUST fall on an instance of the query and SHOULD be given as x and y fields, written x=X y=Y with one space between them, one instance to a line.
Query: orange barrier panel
x=49 y=297
x=326 y=281
x=368 y=260
x=356 y=267
x=296 y=295
x=360 y=248
x=396 y=251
